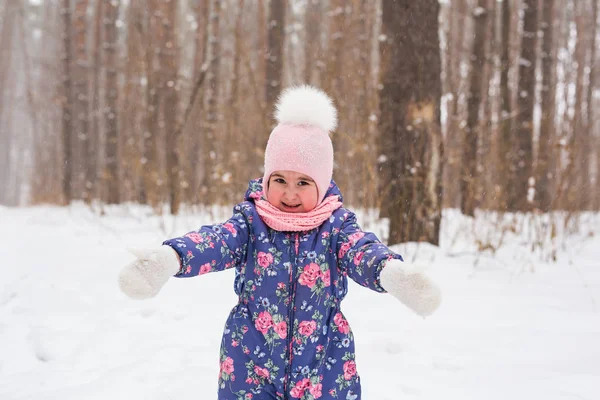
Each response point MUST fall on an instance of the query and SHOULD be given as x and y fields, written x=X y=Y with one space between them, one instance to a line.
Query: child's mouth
x=290 y=206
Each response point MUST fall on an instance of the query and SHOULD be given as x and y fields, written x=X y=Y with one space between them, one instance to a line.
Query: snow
x=511 y=326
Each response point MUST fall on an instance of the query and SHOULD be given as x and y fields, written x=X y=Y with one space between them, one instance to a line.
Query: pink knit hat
x=300 y=142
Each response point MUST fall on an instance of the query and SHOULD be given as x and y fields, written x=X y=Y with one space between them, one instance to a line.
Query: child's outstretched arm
x=370 y=263
x=211 y=248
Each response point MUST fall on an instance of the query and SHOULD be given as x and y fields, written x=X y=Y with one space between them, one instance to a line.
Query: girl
x=293 y=245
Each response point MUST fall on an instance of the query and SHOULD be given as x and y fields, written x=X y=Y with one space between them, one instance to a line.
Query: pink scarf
x=296 y=222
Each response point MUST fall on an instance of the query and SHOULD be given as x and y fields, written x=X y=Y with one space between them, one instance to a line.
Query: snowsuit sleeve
x=361 y=255
x=213 y=247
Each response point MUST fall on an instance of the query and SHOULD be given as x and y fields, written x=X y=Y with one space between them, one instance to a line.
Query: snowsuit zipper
x=293 y=268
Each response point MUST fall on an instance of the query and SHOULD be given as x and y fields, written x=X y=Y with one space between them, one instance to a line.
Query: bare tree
x=456 y=50
x=95 y=130
x=313 y=50
x=410 y=119
x=195 y=173
x=212 y=163
x=276 y=38
x=81 y=121
x=471 y=135
x=547 y=132
x=505 y=141
x=6 y=138
x=592 y=122
x=590 y=109
x=67 y=104
x=526 y=102
x=170 y=103
x=111 y=173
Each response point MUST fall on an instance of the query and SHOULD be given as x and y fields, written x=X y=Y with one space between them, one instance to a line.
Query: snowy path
x=66 y=332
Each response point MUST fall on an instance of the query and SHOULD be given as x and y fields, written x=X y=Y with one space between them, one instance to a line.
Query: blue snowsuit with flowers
x=287 y=337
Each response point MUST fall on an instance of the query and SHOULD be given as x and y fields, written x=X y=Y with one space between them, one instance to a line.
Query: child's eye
x=279 y=180
x=302 y=183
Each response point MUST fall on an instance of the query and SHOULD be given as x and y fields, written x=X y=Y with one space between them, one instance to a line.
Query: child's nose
x=291 y=192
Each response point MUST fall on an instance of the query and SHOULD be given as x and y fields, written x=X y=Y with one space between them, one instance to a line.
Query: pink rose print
x=344 y=249
x=262 y=372
x=349 y=369
x=341 y=323
x=194 y=237
x=281 y=285
x=304 y=383
x=264 y=259
x=248 y=381
x=229 y=226
x=307 y=328
x=301 y=386
x=355 y=237
x=188 y=269
x=316 y=390
x=235 y=343
x=296 y=392
x=359 y=255
x=309 y=277
x=249 y=396
x=326 y=277
x=227 y=366
x=263 y=322
x=205 y=268
x=281 y=329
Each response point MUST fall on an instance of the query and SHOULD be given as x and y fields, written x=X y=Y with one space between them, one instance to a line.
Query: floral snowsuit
x=287 y=337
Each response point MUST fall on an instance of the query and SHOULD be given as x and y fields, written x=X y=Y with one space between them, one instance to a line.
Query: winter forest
x=477 y=105
x=468 y=140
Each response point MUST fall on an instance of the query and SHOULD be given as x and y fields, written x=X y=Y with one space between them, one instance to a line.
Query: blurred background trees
x=472 y=104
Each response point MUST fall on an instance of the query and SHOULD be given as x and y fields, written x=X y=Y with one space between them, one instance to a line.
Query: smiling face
x=292 y=192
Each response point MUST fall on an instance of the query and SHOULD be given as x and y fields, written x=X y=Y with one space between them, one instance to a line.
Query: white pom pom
x=308 y=105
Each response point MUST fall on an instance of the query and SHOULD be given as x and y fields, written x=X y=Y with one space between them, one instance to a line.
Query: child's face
x=292 y=192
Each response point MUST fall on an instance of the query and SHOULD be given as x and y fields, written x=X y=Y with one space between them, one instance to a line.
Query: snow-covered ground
x=511 y=325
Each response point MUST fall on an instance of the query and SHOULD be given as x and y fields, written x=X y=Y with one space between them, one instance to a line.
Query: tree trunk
x=579 y=142
x=6 y=134
x=196 y=171
x=276 y=38
x=111 y=173
x=526 y=101
x=545 y=152
x=67 y=104
x=81 y=100
x=457 y=32
x=410 y=118
x=505 y=141
x=236 y=163
x=212 y=159
x=333 y=82
x=96 y=113
x=170 y=70
x=312 y=41
x=592 y=123
x=471 y=135
x=590 y=114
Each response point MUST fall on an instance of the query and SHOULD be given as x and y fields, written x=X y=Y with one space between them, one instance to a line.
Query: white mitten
x=144 y=277
x=409 y=285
